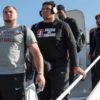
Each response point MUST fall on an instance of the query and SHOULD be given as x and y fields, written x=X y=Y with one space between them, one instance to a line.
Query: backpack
x=28 y=57
x=78 y=34
x=80 y=41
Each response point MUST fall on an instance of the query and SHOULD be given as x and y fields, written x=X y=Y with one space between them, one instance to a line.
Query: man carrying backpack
x=76 y=32
x=12 y=58
x=55 y=39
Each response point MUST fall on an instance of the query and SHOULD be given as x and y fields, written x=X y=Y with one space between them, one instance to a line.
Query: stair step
x=78 y=98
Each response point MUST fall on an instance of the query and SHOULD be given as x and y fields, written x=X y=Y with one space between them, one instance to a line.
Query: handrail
x=77 y=80
x=94 y=95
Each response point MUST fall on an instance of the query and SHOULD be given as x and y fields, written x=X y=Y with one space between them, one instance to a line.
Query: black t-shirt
x=78 y=34
x=97 y=41
x=92 y=35
x=54 y=40
x=73 y=25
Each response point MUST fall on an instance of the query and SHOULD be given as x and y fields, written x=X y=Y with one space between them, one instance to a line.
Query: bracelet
x=40 y=73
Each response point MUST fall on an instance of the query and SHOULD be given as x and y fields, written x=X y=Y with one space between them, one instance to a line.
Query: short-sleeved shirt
x=12 y=58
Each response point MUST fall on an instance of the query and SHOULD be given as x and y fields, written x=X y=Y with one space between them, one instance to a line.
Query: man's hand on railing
x=79 y=70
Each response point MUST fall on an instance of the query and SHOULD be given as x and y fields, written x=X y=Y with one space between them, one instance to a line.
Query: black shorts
x=12 y=87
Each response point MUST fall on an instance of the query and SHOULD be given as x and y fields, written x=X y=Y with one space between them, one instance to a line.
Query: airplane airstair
x=81 y=90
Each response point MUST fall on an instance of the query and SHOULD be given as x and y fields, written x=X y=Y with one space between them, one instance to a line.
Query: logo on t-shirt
x=47 y=32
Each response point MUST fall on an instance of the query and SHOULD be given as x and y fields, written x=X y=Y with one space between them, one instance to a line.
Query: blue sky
x=28 y=9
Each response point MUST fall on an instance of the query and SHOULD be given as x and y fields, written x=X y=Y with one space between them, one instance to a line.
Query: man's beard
x=46 y=18
x=99 y=24
x=8 y=21
x=61 y=17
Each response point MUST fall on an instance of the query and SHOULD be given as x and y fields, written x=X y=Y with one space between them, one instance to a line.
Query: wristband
x=40 y=73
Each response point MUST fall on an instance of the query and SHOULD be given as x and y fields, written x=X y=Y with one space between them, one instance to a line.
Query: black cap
x=61 y=7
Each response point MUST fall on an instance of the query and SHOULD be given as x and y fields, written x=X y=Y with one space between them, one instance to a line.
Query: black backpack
x=80 y=41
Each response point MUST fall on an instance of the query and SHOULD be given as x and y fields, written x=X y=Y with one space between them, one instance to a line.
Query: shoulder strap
x=25 y=35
